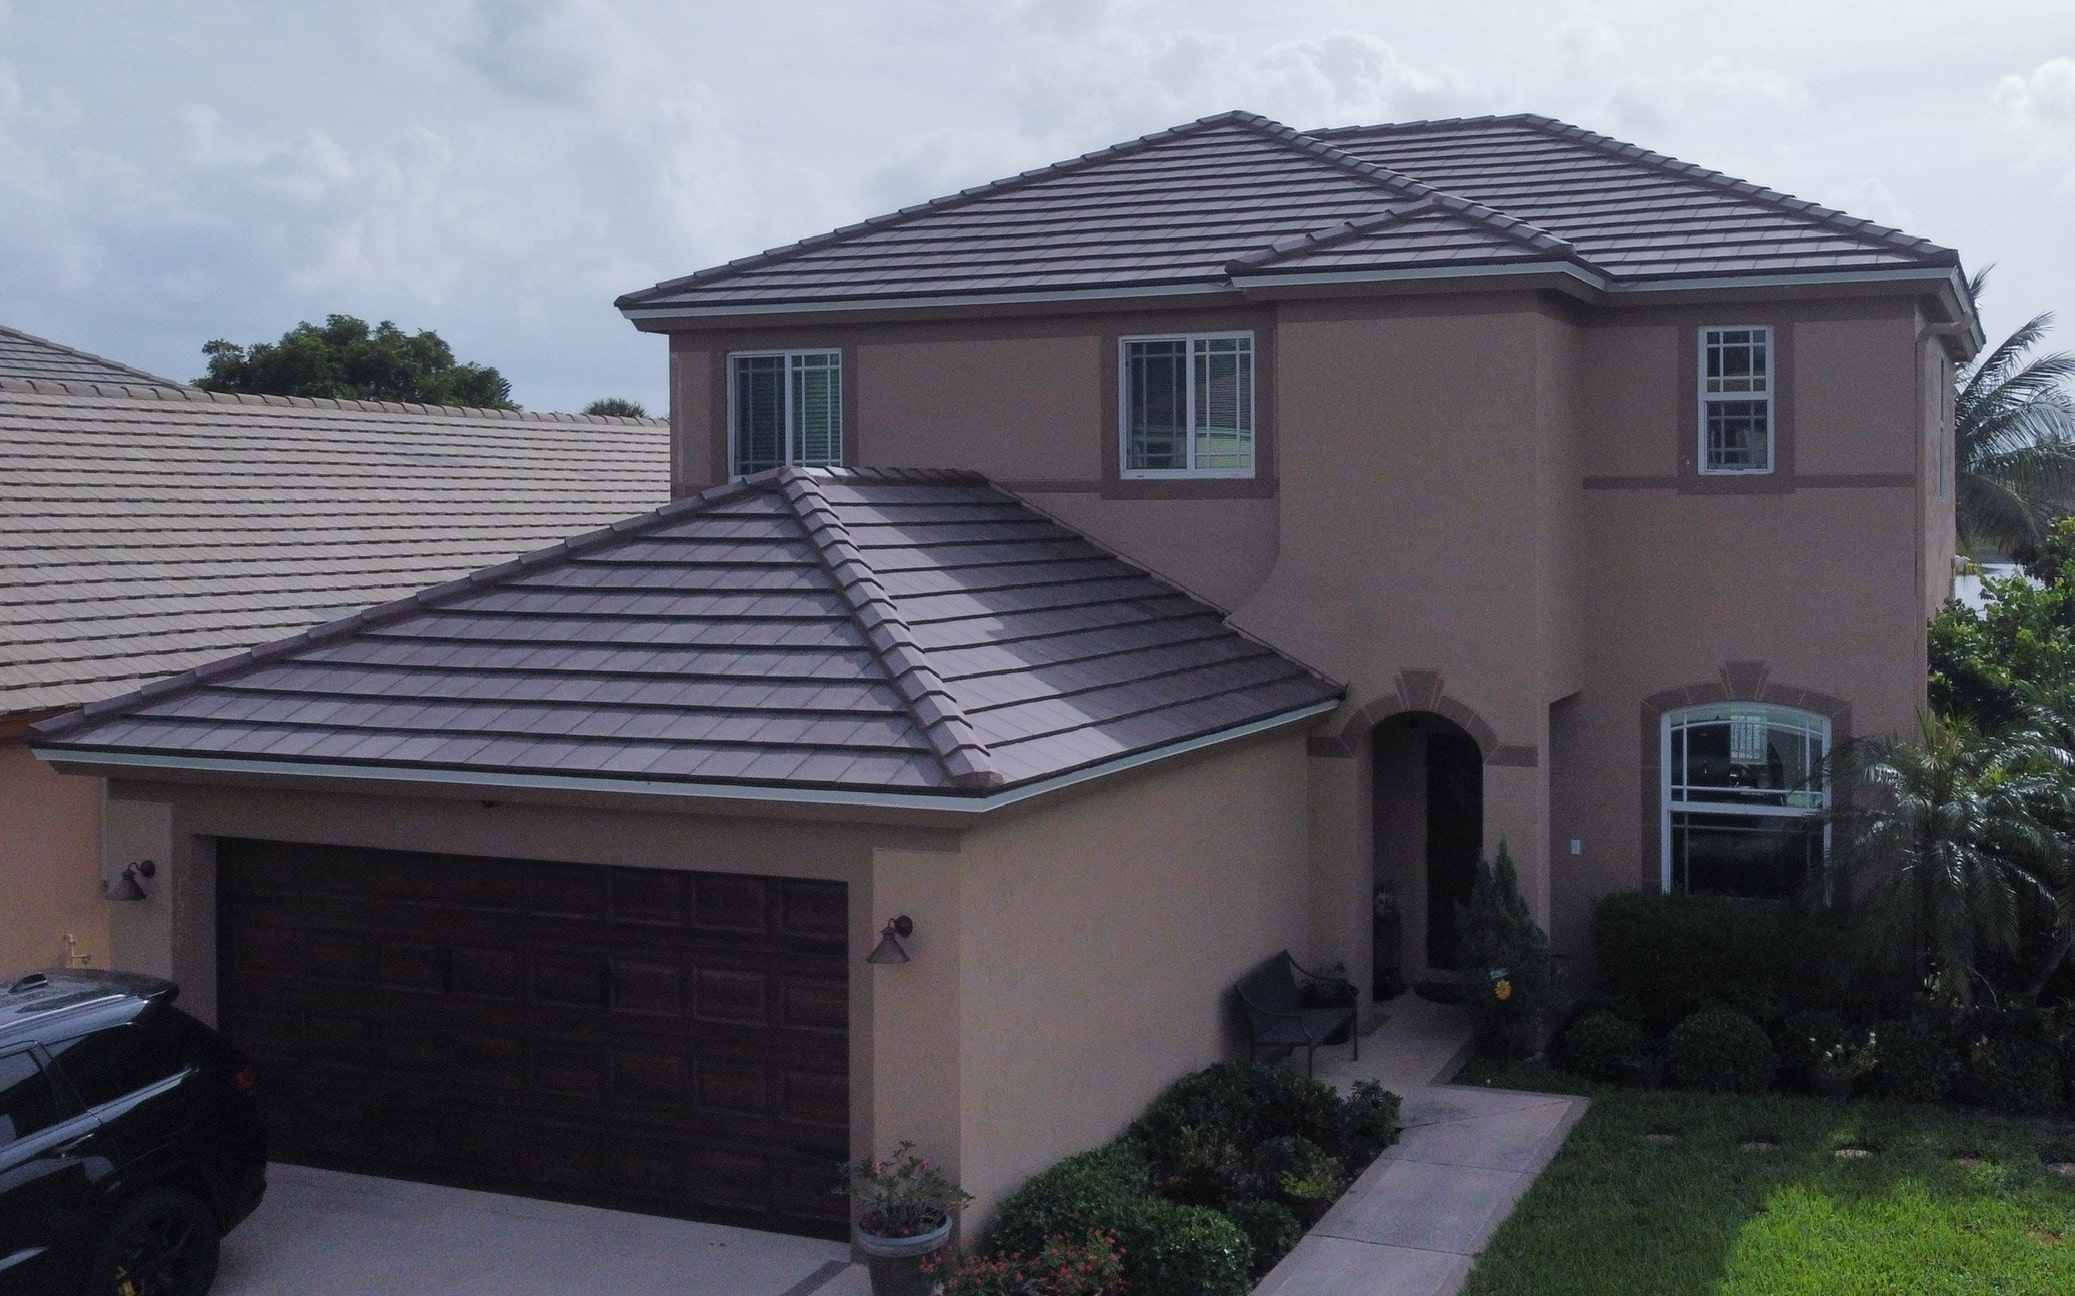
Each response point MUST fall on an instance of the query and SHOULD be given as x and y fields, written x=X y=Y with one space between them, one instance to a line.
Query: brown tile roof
x=848 y=632
x=145 y=530
x=1237 y=199
x=24 y=355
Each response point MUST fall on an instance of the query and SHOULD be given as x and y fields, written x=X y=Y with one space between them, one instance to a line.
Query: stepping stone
x=1660 y=1138
x=1853 y=1153
x=1760 y=1145
x=2065 y=1169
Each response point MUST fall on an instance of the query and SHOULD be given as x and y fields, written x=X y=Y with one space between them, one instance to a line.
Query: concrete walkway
x=1413 y=1222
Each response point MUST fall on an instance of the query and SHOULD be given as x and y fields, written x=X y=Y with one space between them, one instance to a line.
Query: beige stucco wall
x=1069 y=959
x=50 y=853
x=1099 y=942
x=1498 y=487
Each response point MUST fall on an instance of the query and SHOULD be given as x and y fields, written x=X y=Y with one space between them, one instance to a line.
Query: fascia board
x=938 y=302
x=110 y=763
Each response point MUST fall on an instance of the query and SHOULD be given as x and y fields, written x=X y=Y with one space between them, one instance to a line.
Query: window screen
x=1188 y=405
x=785 y=408
x=28 y=1101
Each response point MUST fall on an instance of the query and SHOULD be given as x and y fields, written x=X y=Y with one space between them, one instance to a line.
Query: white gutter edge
x=1243 y=282
x=921 y=303
x=952 y=802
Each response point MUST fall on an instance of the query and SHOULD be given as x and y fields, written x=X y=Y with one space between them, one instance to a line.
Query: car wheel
x=161 y=1244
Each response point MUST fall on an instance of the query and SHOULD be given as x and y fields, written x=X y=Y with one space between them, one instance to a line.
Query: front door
x=1455 y=836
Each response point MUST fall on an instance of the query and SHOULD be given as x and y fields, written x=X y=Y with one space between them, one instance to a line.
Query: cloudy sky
x=499 y=170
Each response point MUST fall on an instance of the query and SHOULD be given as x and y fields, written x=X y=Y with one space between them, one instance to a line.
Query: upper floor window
x=1736 y=399
x=1744 y=797
x=784 y=407
x=1188 y=405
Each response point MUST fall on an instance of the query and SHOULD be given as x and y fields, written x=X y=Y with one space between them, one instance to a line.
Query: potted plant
x=1836 y=1065
x=903 y=1210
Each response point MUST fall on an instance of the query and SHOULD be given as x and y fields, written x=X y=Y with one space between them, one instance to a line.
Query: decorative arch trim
x=1736 y=681
x=1423 y=690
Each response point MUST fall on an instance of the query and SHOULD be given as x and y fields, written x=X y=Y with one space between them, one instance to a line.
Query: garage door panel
x=665 y=1041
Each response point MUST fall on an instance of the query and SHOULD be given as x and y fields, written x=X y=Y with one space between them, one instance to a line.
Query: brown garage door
x=665 y=1042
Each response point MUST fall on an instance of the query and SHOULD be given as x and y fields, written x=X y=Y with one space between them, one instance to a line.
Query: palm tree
x=2013 y=441
x=1959 y=832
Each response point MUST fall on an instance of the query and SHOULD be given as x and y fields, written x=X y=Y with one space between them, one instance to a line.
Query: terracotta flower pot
x=895 y=1263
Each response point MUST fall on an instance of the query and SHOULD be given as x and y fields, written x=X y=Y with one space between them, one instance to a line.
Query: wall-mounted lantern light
x=129 y=886
x=890 y=949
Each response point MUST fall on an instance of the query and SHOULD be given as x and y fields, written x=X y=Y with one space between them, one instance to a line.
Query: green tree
x=346 y=360
x=2013 y=441
x=1505 y=968
x=1961 y=833
x=2025 y=631
x=616 y=407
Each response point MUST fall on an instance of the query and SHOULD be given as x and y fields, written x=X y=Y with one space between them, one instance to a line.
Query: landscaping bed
x=1199 y=1197
x=1666 y=1193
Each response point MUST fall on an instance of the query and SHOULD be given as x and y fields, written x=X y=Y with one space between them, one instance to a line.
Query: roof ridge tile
x=1499 y=222
x=129 y=391
x=928 y=698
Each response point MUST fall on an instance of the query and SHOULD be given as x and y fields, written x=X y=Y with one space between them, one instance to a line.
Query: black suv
x=129 y=1139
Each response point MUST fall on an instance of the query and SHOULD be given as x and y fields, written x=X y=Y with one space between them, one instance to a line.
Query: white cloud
x=2043 y=99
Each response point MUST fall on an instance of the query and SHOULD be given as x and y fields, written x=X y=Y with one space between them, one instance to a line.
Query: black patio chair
x=1278 y=1016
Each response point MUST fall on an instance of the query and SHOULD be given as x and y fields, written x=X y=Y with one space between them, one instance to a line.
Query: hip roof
x=851 y=631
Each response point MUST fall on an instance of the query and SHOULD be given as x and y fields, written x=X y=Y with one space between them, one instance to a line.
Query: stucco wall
x=1099 y=941
x=50 y=855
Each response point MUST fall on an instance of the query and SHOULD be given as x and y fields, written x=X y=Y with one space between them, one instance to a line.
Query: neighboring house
x=146 y=528
x=1608 y=493
x=24 y=355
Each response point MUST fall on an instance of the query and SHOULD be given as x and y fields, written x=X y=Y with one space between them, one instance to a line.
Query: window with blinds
x=784 y=407
x=1188 y=405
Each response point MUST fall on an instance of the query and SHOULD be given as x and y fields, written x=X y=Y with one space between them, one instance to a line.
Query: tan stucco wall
x=1498 y=487
x=1099 y=942
x=50 y=855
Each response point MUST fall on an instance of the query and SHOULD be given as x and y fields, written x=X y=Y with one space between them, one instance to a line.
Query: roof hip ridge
x=928 y=698
x=139 y=391
x=1410 y=188
x=1803 y=207
x=144 y=376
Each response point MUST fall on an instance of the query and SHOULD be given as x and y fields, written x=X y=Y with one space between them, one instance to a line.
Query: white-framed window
x=1736 y=389
x=784 y=407
x=1187 y=405
x=1744 y=799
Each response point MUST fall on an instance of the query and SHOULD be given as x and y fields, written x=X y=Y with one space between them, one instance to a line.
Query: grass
x=1663 y=1193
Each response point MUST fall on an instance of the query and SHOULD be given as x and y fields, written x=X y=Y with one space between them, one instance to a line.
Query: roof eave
x=115 y=763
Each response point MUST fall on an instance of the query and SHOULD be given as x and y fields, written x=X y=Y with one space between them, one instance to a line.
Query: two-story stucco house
x=1122 y=571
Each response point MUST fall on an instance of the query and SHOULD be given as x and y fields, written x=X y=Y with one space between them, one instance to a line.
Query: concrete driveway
x=322 y=1233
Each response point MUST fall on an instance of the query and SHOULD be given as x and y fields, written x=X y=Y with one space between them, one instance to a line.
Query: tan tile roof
x=145 y=530
x=850 y=632
x=24 y=355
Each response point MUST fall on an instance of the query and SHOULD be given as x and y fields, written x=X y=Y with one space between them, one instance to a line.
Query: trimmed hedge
x=1601 y=1046
x=1721 y=1050
x=1673 y=954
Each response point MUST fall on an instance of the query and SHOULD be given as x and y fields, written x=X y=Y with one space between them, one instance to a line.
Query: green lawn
x=1662 y=1193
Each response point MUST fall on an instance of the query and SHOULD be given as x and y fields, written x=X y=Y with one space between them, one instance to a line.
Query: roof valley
x=922 y=690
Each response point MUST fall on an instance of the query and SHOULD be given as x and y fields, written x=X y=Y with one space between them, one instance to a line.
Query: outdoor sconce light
x=126 y=888
x=890 y=949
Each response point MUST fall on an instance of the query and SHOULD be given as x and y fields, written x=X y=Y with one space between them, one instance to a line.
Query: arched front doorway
x=1428 y=789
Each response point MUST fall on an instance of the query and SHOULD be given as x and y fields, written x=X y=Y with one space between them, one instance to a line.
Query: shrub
x=1507 y=974
x=1671 y=954
x=1720 y=1049
x=1061 y=1267
x=1269 y=1226
x=1168 y=1249
x=1805 y=1036
x=1917 y=1059
x=1090 y=1192
x=1601 y=1046
x=1198 y=1168
x=2014 y=1071
x=1246 y=1104
x=1176 y=1250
